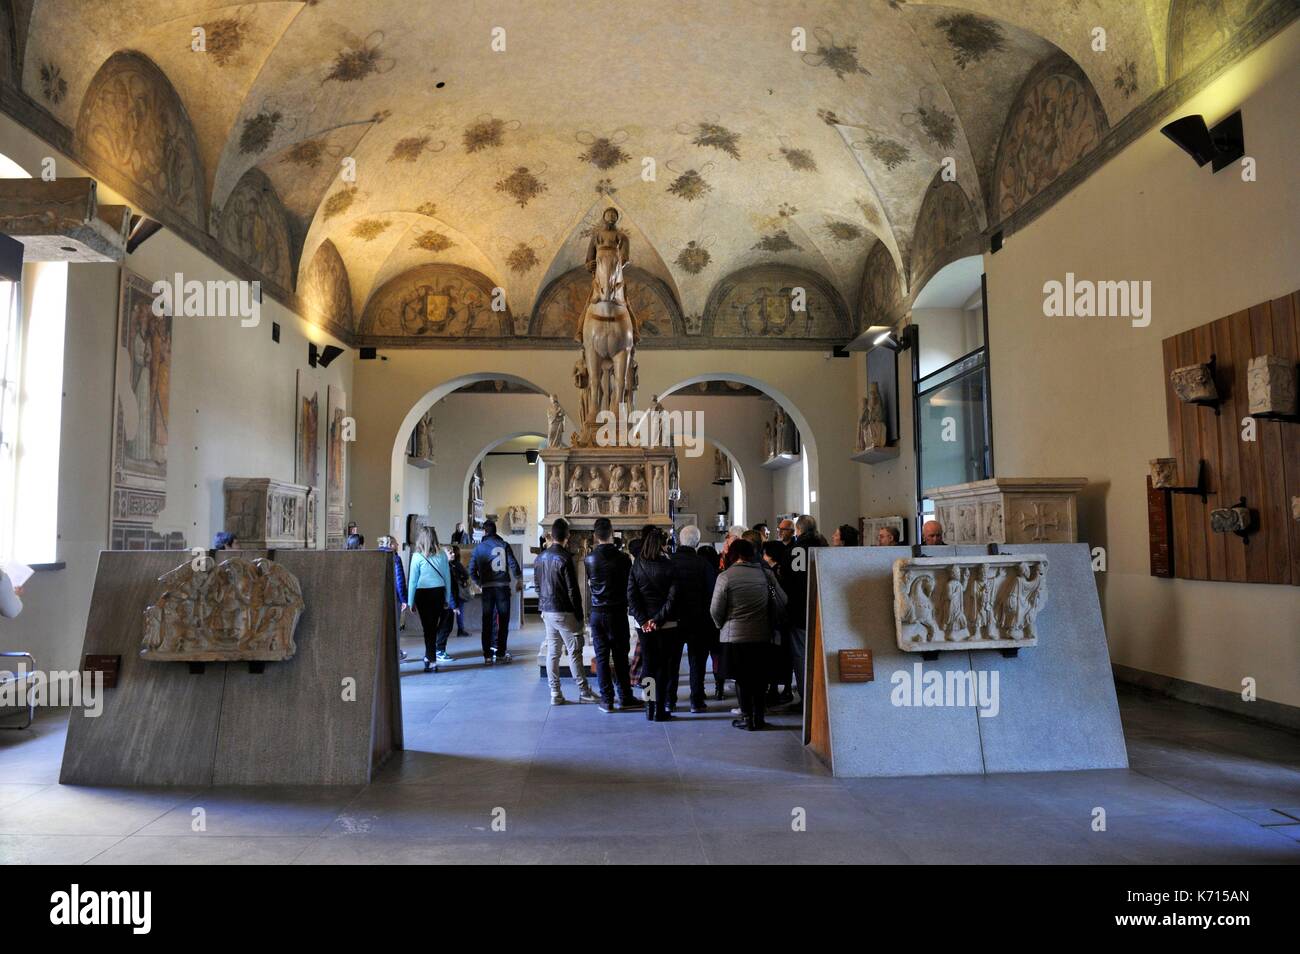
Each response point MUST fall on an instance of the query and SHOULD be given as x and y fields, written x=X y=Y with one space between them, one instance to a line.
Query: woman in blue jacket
x=432 y=592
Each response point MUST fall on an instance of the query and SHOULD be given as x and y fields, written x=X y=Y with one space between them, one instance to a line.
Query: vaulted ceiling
x=490 y=135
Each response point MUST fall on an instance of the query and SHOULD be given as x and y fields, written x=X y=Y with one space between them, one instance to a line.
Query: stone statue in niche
x=1271 y=386
x=236 y=611
x=1194 y=384
x=577 y=488
x=421 y=448
x=660 y=488
x=555 y=423
x=872 y=432
x=636 y=492
x=616 y=477
x=768 y=453
x=948 y=603
x=554 y=493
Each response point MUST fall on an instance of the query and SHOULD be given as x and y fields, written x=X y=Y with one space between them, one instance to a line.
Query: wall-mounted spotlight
x=1220 y=146
x=321 y=356
x=895 y=342
x=531 y=456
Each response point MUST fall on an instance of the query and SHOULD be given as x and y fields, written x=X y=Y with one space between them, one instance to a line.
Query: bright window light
x=40 y=415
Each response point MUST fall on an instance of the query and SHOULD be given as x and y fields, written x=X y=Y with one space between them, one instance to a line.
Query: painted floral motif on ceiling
x=937 y=124
x=370 y=229
x=946 y=217
x=522 y=185
x=800 y=160
x=258 y=131
x=325 y=293
x=487 y=132
x=1055 y=121
x=557 y=310
x=411 y=148
x=840 y=59
x=252 y=224
x=971 y=37
x=689 y=186
x=841 y=231
x=693 y=258
x=310 y=153
x=778 y=241
x=53 y=84
x=882 y=294
x=431 y=240
x=522 y=258
x=224 y=38
x=133 y=125
x=339 y=202
x=713 y=135
x=433 y=302
x=359 y=60
x=763 y=303
x=603 y=152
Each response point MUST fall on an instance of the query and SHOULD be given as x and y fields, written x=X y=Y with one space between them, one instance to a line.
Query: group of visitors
x=744 y=608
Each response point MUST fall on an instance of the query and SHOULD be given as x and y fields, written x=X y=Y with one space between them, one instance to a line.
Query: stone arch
x=946 y=230
x=883 y=298
x=1055 y=120
x=421 y=407
x=133 y=131
x=487 y=449
x=756 y=304
x=555 y=314
x=253 y=225
x=433 y=303
x=807 y=438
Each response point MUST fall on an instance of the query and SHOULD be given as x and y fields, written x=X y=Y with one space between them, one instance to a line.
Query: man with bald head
x=932 y=533
x=694 y=578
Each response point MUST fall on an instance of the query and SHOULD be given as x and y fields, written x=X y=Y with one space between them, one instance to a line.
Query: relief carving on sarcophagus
x=963 y=603
x=235 y=611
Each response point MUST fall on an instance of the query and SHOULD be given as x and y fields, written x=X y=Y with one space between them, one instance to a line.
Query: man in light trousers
x=560 y=603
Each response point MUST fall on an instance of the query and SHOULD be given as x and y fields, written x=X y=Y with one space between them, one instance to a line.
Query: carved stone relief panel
x=266 y=514
x=963 y=603
x=233 y=612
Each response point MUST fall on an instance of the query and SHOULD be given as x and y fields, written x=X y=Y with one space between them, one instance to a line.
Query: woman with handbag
x=747 y=606
x=432 y=592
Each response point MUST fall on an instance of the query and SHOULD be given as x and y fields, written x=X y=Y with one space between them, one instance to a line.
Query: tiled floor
x=485 y=750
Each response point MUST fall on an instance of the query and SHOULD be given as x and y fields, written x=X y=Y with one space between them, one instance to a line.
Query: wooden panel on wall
x=1266 y=471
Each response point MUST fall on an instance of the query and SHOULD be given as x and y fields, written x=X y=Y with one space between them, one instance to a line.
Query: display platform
x=1050 y=706
x=329 y=715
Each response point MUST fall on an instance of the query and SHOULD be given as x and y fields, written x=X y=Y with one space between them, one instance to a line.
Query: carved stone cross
x=1039 y=521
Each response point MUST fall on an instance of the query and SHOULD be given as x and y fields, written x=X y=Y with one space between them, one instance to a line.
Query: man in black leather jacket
x=795 y=578
x=560 y=603
x=695 y=630
x=607 y=569
x=651 y=600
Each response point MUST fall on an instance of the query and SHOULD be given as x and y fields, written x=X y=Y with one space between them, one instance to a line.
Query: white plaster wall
x=1085 y=397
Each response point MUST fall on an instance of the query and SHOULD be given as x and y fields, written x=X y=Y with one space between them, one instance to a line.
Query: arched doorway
x=768 y=488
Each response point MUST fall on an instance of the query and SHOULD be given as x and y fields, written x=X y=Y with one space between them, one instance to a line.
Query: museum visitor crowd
x=743 y=609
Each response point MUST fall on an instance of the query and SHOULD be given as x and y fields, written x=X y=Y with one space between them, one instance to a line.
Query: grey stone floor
x=575 y=785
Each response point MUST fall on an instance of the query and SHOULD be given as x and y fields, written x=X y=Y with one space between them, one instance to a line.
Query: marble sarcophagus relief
x=234 y=611
x=964 y=603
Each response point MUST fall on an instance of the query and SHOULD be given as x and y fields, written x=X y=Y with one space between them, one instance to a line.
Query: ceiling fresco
x=482 y=140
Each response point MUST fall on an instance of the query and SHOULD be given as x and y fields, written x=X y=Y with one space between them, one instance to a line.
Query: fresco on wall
x=945 y=218
x=326 y=292
x=434 y=301
x=1198 y=28
x=556 y=314
x=336 y=467
x=882 y=294
x=762 y=303
x=306 y=467
x=252 y=224
x=134 y=128
x=141 y=399
x=1055 y=121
